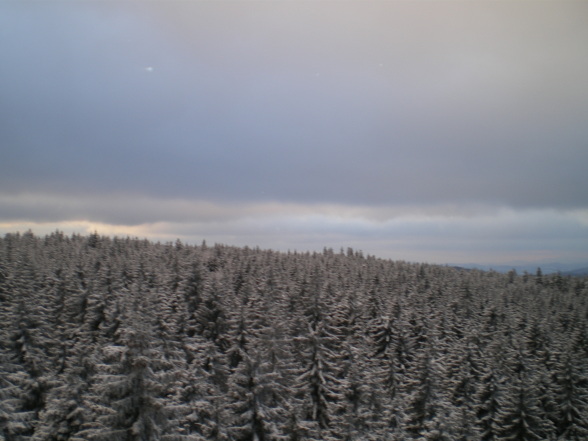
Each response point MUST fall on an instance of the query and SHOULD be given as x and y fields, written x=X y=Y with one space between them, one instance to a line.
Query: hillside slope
x=123 y=339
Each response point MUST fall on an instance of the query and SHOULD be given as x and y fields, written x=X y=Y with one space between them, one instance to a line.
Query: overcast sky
x=437 y=131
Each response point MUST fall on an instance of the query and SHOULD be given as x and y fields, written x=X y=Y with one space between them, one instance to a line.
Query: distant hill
x=574 y=269
x=577 y=272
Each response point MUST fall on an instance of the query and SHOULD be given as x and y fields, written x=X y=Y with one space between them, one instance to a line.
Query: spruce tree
x=571 y=397
x=520 y=417
x=128 y=398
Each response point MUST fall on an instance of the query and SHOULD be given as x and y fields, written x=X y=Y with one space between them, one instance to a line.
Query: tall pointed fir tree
x=27 y=343
x=319 y=385
x=571 y=396
x=487 y=401
x=128 y=400
x=520 y=417
x=425 y=408
x=393 y=352
x=460 y=383
x=256 y=407
x=200 y=406
x=362 y=416
x=62 y=417
x=200 y=390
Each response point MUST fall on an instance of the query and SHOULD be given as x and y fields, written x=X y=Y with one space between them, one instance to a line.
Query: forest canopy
x=124 y=339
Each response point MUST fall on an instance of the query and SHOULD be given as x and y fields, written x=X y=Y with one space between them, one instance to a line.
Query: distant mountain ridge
x=576 y=272
x=566 y=269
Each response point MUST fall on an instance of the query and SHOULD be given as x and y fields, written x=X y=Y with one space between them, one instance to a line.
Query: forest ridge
x=124 y=339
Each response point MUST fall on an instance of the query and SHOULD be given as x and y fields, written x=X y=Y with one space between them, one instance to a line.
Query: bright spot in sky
x=149 y=69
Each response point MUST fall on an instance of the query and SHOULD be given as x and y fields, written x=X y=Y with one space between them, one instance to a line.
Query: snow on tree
x=120 y=338
x=128 y=398
x=571 y=396
x=520 y=417
x=256 y=400
x=487 y=402
x=425 y=409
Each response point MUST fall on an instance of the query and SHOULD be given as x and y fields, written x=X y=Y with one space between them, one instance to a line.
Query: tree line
x=125 y=339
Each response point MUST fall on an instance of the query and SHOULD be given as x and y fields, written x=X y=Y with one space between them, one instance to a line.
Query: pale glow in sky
x=444 y=131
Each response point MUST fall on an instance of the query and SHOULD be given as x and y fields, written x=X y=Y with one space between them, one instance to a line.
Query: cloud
x=451 y=106
x=436 y=234
x=135 y=209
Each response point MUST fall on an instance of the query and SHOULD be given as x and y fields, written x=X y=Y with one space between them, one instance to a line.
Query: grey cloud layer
x=385 y=103
x=435 y=234
x=133 y=209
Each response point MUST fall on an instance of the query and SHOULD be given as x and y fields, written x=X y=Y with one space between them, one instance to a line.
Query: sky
x=426 y=131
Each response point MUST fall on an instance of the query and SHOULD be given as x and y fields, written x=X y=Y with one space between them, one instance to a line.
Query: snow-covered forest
x=123 y=339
